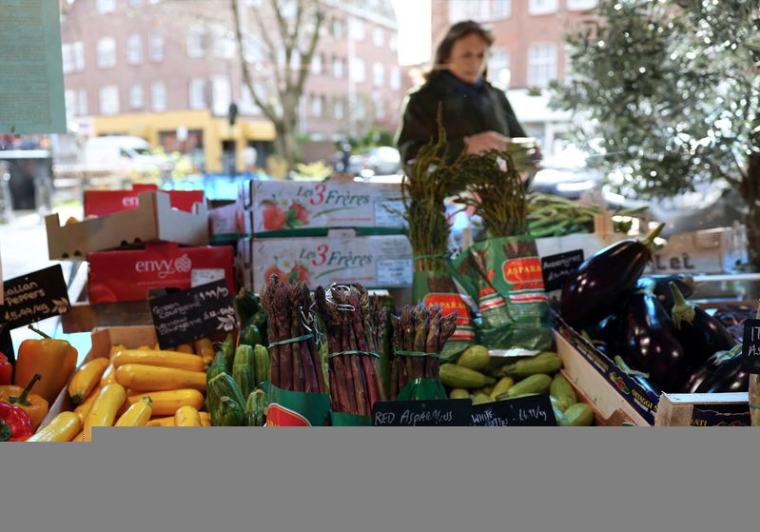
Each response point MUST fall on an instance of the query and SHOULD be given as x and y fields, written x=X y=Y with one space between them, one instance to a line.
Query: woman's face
x=468 y=58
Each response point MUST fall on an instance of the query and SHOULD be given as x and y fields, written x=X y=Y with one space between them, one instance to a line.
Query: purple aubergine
x=700 y=334
x=605 y=280
x=659 y=285
x=698 y=377
x=728 y=377
x=649 y=343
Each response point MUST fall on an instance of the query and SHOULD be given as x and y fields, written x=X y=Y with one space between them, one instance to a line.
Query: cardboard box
x=710 y=251
x=102 y=341
x=611 y=389
x=228 y=221
x=105 y=202
x=128 y=275
x=283 y=207
x=153 y=220
x=341 y=257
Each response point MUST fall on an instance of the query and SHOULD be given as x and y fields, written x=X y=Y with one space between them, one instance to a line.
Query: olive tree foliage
x=670 y=94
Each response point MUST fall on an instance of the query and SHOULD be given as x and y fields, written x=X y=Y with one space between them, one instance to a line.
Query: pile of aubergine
x=647 y=326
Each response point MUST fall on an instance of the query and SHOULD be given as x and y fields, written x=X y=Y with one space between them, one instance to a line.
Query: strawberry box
x=104 y=202
x=283 y=208
x=128 y=275
x=340 y=257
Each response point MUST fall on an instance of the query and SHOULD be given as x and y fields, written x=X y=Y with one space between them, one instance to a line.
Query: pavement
x=23 y=249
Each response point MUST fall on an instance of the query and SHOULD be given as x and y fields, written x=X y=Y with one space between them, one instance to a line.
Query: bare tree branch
x=306 y=58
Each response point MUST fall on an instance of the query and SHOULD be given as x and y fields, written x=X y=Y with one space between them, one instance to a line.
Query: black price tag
x=751 y=347
x=6 y=344
x=438 y=413
x=533 y=411
x=189 y=315
x=35 y=297
x=557 y=268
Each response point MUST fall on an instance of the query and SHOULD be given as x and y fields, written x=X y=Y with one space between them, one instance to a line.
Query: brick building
x=529 y=52
x=167 y=70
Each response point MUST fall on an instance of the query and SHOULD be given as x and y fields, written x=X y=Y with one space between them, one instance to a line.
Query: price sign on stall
x=34 y=297
x=189 y=315
x=534 y=411
x=751 y=347
x=436 y=413
x=557 y=268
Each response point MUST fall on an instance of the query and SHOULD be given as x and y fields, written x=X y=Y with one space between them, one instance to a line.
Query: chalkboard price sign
x=438 y=413
x=751 y=347
x=533 y=411
x=557 y=268
x=189 y=315
x=35 y=297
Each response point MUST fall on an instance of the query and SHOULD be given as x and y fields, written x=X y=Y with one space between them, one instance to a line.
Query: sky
x=414 y=29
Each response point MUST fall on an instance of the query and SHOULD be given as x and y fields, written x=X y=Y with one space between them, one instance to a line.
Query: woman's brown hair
x=460 y=30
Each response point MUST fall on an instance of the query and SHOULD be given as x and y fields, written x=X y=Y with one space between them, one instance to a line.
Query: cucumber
x=459 y=393
x=578 y=415
x=242 y=369
x=475 y=357
x=563 y=392
x=558 y=411
x=541 y=363
x=230 y=412
x=254 y=409
x=481 y=399
x=502 y=387
x=539 y=383
x=261 y=364
x=455 y=376
x=219 y=387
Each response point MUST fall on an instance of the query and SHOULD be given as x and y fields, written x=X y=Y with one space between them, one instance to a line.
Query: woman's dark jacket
x=467 y=110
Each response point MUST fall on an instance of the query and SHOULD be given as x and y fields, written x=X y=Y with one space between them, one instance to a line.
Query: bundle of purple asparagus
x=419 y=334
x=295 y=364
x=355 y=330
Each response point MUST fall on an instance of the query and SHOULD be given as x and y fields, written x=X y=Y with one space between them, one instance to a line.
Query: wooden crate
x=701 y=409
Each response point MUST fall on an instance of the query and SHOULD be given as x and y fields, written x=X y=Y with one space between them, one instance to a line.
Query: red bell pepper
x=6 y=370
x=15 y=423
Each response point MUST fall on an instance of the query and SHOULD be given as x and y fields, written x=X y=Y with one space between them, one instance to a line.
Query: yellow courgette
x=185 y=348
x=161 y=422
x=205 y=419
x=137 y=415
x=64 y=427
x=187 y=416
x=104 y=409
x=166 y=403
x=142 y=378
x=115 y=349
x=84 y=409
x=165 y=359
x=86 y=379
x=109 y=376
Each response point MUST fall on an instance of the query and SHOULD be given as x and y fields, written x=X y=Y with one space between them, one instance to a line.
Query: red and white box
x=105 y=202
x=128 y=275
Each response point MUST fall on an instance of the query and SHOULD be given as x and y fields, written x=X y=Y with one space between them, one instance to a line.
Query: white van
x=121 y=152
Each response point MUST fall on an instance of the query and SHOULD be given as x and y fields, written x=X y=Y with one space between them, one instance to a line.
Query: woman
x=476 y=115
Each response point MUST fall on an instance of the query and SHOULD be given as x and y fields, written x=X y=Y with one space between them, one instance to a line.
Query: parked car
x=383 y=160
x=121 y=152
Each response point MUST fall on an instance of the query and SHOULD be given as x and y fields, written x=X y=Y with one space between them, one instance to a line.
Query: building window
x=157 y=46
x=360 y=109
x=106 y=6
x=460 y=10
x=339 y=109
x=134 y=49
x=501 y=8
x=393 y=43
x=197 y=95
x=378 y=36
x=109 y=100
x=316 y=64
x=576 y=5
x=396 y=78
x=379 y=103
x=338 y=68
x=106 y=50
x=78 y=53
x=247 y=103
x=70 y=98
x=158 y=96
x=337 y=28
x=68 y=59
x=224 y=46
x=357 y=29
x=542 y=7
x=498 y=67
x=136 y=96
x=378 y=74
x=358 y=70
x=221 y=96
x=317 y=104
x=82 y=102
x=136 y=2
x=195 y=38
x=542 y=64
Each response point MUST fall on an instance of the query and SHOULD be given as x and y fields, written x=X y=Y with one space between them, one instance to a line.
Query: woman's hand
x=482 y=142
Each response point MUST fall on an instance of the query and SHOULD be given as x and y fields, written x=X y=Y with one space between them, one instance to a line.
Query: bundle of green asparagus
x=295 y=364
x=418 y=335
x=355 y=326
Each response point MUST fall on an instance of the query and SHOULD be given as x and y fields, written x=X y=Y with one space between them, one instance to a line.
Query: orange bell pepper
x=34 y=405
x=55 y=360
